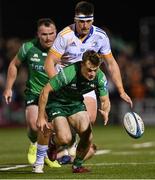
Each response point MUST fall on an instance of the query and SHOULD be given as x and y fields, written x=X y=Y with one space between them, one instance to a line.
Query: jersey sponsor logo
x=37 y=67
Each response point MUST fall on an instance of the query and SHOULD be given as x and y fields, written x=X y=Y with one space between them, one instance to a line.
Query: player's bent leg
x=31 y=117
x=63 y=137
x=91 y=105
x=43 y=139
x=41 y=154
x=91 y=152
x=85 y=134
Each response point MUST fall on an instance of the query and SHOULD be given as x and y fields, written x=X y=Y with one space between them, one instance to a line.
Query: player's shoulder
x=29 y=44
x=101 y=75
x=100 y=31
x=73 y=68
x=66 y=31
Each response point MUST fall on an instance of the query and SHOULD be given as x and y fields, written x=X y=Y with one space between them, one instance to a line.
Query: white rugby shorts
x=90 y=94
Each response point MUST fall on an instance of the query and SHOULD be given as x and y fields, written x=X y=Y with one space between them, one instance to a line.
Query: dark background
x=18 y=18
x=136 y=58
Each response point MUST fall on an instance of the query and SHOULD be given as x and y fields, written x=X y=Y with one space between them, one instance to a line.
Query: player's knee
x=65 y=139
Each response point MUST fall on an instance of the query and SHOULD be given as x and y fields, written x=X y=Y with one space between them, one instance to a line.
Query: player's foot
x=52 y=164
x=32 y=154
x=52 y=152
x=80 y=169
x=38 y=168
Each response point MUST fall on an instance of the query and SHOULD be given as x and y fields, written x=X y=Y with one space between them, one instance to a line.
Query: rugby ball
x=133 y=124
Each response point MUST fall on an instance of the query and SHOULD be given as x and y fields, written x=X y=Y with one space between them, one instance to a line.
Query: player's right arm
x=50 y=62
x=11 y=77
x=41 y=121
x=55 y=53
x=13 y=70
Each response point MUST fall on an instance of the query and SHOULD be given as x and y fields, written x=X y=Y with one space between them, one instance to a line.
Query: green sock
x=78 y=162
x=32 y=135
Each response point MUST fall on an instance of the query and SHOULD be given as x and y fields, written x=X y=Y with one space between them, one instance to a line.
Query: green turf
x=124 y=161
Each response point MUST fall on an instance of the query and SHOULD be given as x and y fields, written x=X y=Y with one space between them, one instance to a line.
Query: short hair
x=92 y=56
x=45 y=21
x=84 y=7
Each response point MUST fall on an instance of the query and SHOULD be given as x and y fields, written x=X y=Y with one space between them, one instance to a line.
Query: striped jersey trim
x=58 y=55
x=107 y=55
x=65 y=31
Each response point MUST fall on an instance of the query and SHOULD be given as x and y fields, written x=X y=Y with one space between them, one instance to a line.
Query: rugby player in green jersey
x=32 y=54
x=62 y=100
x=73 y=40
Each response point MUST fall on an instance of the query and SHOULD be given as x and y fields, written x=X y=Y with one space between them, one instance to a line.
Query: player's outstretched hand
x=105 y=116
x=126 y=98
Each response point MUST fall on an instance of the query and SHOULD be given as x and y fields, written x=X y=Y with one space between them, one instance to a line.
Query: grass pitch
x=119 y=156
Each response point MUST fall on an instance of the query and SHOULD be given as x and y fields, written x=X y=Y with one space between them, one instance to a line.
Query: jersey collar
x=90 y=33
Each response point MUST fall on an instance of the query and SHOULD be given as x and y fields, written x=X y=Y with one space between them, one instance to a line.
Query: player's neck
x=82 y=36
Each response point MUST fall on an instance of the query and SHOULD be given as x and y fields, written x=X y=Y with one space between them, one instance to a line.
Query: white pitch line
x=99 y=152
x=14 y=167
x=90 y=164
x=106 y=151
x=118 y=164
x=143 y=145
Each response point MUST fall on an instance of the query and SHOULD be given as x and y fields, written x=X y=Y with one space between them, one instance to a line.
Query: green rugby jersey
x=33 y=55
x=69 y=85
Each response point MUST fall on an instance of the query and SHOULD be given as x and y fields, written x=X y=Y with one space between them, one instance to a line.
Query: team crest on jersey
x=35 y=55
x=35 y=58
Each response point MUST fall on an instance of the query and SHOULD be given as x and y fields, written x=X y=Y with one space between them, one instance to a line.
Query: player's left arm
x=105 y=108
x=116 y=77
